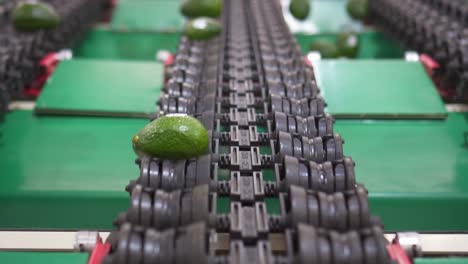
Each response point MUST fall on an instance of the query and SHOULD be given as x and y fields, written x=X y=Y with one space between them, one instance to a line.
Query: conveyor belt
x=20 y=52
x=255 y=93
x=435 y=27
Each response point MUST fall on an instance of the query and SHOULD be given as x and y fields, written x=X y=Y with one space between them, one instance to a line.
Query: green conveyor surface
x=104 y=43
x=65 y=172
x=164 y=16
x=415 y=170
x=448 y=260
x=378 y=89
x=69 y=172
x=372 y=45
x=147 y=15
x=320 y=19
x=398 y=89
x=102 y=88
x=326 y=23
x=43 y=258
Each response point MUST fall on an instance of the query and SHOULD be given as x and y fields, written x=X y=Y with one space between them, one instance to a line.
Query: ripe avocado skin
x=202 y=28
x=348 y=44
x=31 y=16
x=202 y=8
x=299 y=9
x=358 y=9
x=327 y=49
x=176 y=136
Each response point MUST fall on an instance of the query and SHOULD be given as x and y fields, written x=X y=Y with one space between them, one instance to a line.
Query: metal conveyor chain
x=271 y=144
x=434 y=27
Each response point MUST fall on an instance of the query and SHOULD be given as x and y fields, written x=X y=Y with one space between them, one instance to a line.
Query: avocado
x=358 y=9
x=327 y=49
x=202 y=28
x=299 y=9
x=31 y=16
x=174 y=136
x=202 y=8
x=348 y=44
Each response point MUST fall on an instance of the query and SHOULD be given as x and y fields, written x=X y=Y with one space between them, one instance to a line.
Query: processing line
x=271 y=144
x=253 y=74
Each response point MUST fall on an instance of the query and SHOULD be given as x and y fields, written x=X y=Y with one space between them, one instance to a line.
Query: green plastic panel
x=378 y=89
x=147 y=15
x=320 y=15
x=320 y=20
x=415 y=170
x=102 y=88
x=453 y=260
x=102 y=43
x=65 y=172
x=43 y=258
x=161 y=16
x=372 y=45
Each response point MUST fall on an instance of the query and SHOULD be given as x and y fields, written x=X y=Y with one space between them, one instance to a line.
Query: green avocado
x=358 y=9
x=299 y=9
x=327 y=49
x=348 y=44
x=202 y=28
x=202 y=8
x=30 y=16
x=174 y=136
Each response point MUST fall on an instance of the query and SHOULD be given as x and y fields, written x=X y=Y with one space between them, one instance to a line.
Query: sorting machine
x=255 y=69
x=271 y=139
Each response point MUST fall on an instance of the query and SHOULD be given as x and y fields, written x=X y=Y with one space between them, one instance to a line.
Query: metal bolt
x=85 y=241
x=411 y=243
x=162 y=55
x=314 y=56
x=65 y=54
x=412 y=56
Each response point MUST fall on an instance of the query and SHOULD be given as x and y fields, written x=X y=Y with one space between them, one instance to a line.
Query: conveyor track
x=258 y=97
x=434 y=27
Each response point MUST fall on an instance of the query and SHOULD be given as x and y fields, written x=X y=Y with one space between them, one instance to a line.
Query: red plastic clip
x=429 y=64
x=431 y=67
x=48 y=65
x=49 y=62
x=397 y=253
x=99 y=252
x=169 y=60
x=307 y=61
